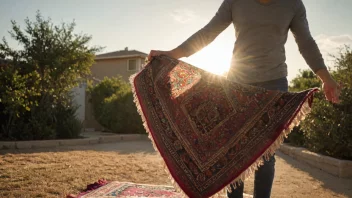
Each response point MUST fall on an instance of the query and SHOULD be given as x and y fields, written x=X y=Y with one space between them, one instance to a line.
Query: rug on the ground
x=211 y=132
x=126 y=189
x=103 y=189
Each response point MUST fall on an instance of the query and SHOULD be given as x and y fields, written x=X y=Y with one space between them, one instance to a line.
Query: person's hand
x=332 y=90
x=176 y=53
x=330 y=87
x=154 y=53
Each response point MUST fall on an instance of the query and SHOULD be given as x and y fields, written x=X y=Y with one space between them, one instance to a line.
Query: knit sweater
x=261 y=32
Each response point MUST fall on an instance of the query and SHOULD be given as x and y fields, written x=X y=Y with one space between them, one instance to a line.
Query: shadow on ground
x=336 y=184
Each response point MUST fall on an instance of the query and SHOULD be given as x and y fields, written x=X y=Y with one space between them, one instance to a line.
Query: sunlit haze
x=164 y=24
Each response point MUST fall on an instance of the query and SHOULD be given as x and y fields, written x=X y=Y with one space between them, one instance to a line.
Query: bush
x=296 y=137
x=37 y=78
x=67 y=124
x=114 y=108
x=328 y=128
x=42 y=123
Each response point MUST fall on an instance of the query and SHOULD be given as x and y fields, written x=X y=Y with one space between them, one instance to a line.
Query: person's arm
x=306 y=44
x=199 y=40
x=311 y=53
x=204 y=36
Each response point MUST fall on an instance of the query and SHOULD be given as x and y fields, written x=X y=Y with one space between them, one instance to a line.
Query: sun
x=214 y=58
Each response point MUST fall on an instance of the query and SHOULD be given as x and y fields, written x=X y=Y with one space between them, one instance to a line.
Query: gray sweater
x=261 y=33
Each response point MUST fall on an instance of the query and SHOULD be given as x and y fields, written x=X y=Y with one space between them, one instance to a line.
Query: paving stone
x=24 y=145
x=341 y=168
x=110 y=138
x=45 y=144
x=94 y=140
x=74 y=142
x=131 y=137
x=7 y=145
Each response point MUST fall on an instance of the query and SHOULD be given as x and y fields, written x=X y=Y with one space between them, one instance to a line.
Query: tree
x=328 y=128
x=38 y=77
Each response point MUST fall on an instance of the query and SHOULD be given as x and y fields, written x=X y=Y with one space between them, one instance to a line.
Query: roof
x=121 y=54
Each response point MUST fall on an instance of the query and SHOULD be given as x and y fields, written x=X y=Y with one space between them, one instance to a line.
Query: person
x=261 y=29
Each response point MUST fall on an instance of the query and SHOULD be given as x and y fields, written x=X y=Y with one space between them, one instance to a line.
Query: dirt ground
x=60 y=171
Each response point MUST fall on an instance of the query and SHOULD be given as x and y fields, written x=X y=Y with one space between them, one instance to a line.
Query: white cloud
x=330 y=45
x=183 y=15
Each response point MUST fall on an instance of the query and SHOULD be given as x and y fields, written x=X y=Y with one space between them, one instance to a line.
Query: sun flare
x=214 y=58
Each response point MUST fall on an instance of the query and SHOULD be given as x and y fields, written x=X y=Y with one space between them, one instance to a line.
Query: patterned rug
x=125 y=189
x=103 y=189
x=211 y=132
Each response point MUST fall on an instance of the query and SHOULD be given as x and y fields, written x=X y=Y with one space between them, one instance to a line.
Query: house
x=123 y=63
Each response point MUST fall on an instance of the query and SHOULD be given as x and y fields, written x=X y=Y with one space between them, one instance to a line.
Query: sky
x=144 y=25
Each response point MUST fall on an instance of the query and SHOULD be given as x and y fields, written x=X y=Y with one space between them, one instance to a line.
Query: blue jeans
x=264 y=176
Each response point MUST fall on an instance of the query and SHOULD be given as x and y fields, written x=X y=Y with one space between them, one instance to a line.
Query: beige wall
x=112 y=68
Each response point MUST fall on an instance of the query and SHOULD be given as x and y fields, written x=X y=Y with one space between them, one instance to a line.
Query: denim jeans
x=264 y=176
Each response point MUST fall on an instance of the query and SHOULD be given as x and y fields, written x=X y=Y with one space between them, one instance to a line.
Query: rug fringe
x=300 y=115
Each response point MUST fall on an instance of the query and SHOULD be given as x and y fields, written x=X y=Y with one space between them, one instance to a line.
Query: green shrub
x=37 y=78
x=305 y=80
x=113 y=106
x=43 y=123
x=67 y=124
x=328 y=128
x=296 y=137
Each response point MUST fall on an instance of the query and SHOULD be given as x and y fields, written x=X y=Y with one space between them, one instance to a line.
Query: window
x=132 y=65
x=143 y=61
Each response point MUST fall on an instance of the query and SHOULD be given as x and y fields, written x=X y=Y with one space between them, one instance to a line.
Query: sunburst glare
x=214 y=58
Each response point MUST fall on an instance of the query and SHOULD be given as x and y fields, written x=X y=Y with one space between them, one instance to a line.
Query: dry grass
x=58 y=174
x=63 y=171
